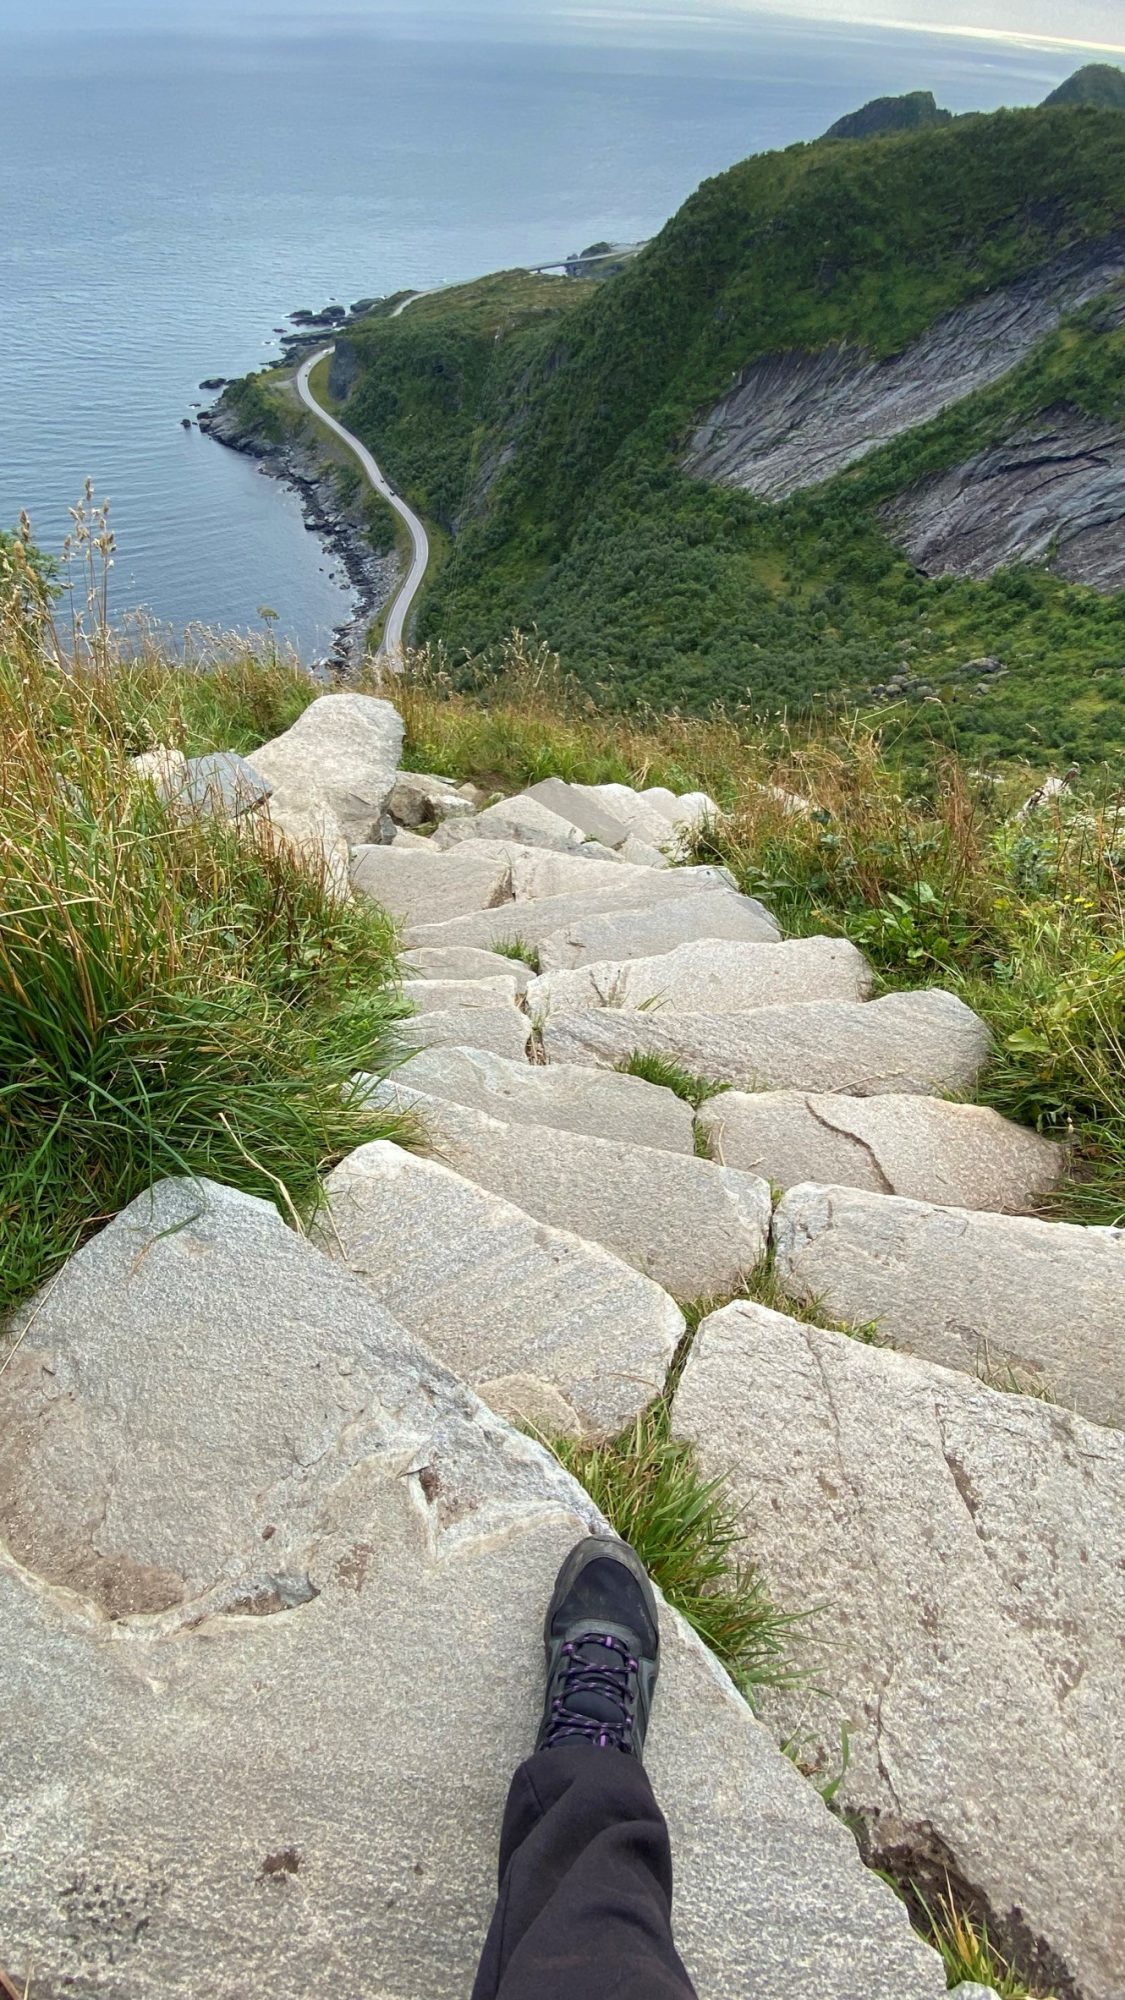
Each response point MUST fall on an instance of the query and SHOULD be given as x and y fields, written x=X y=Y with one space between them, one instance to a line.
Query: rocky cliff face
x=795 y=420
x=1054 y=494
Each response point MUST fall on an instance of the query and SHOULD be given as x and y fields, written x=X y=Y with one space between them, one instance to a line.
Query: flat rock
x=418 y=798
x=597 y=1102
x=466 y=962
x=561 y=925
x=429 y=888
x=533 y=1317
x=594 y=936
x=1002 y=1296
x=713 y=976
x=694 y=1227
x=429 y=996
x=645 y=819
x=504 y=1031
x=963 y=1550
x=521 y=818
x=920 y=1147
x=221 y=785
x=536 y=874
x=906 y=1042
x=315 y=836
x=342 y=752
x=578 y=807
x=208 y=1419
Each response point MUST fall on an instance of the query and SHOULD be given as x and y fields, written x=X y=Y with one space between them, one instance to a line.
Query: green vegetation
x=930 y=871
x=555 y=449
x=890 y=114
x=177 y=995
x=522 y=952
x=764 y=1288
x=695 y=1090
x=1098 y=84
x=969 y=1956
x=687 y=1533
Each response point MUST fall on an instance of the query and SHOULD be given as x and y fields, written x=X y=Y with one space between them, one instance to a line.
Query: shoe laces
x=600 y=1674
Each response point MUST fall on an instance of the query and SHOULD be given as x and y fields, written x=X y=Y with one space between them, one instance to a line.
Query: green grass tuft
x=695 y=1090
x=520 y=950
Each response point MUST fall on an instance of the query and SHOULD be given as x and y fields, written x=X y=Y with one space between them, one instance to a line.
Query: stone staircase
x=274 y=1557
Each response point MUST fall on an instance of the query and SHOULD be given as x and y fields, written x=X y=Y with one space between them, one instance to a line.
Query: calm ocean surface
x=166 y=200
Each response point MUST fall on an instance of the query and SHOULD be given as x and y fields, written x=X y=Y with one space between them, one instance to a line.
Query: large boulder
x=912 y=1042
x=963 y=1550
x=549 y=1329
x=272 y=1591
x=313 y=834
x=522 y=819
x=1040 y=1304
x=420 y=887
x=466 y=962
x=597 y=1102
x=920 y=1147
x=342 y=752
x=577 y=806
x=566 y=929
x=418 y=799
x=694 y=1227
x=713 y=976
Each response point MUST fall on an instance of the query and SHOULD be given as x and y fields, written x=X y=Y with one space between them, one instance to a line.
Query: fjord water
x=165 y=200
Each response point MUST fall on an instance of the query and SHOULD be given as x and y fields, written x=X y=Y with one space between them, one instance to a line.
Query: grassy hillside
x=560 y=457
x=1099 y=83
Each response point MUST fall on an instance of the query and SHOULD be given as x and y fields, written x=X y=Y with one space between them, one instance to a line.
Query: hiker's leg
x=585 y=1885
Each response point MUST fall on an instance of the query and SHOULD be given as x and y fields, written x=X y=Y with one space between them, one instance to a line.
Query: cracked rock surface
x=964 y=1550
x=1029 y=1303
x=271 y=1594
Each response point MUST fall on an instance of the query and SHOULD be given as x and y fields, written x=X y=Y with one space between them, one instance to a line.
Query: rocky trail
x=275 y=1538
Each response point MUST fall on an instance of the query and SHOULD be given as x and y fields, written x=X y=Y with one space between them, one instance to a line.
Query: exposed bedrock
x=1053 y=494
x=794 y=420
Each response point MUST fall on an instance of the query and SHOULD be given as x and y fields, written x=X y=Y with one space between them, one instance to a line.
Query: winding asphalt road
x=394 y=627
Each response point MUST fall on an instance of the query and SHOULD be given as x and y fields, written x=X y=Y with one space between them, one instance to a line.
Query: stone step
x=694 y=1227
x=713 y=976
x=419 y=798
x=343 y=753
x=466 y=962
x=963 y=1548
x=537 y=874
x=597 y=1102
x=915 y=1042
x=581 y=809
x=501 y=1030
x=647 y=818
x=285 y=1448
x=430 y=996
x=549 y=1330
x=1006 y=1297
x=523 y=819
x=920 y=1147
x=472 y=836
x=421 y=887
x=606 y=923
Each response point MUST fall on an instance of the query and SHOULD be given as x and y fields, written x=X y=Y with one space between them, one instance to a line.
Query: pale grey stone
x=694 y=1227
x=575 y=804
x=419 y=797
x=342 y=752
x=221 y=785
x=963 y=1552
x=429 y=996
x=521 y=818
x=642 y=855
x=537 y=874
x=713 y=976
x=686 y=811
x=467 y=836
x=197 y=1800
x=598 y=1102
x=403 y=837
x=163 y=767
x=497 y=1296
x=646 y=932
x=914 y=1042
x=429 y=888
x=1005 y=1297
x=645 y=818
x=561 y=925
x=504 y=1031
x=920 y=1147
x=315 y=836
x=466 y=962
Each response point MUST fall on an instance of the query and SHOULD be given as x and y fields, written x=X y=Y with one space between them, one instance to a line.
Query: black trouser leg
x=585 y=1906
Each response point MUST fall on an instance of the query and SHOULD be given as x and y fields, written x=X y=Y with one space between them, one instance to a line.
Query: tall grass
x=931 y=871
x=177 y=995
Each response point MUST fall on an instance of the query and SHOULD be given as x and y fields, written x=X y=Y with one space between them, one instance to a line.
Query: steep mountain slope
x=890 y=114
x=1099 y=84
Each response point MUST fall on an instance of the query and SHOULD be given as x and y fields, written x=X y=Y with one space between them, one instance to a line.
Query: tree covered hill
x=1100 y=84
x=890 y=114
x=549 y=437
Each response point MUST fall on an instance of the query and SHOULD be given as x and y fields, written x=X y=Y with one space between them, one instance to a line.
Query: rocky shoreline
x=339 y=526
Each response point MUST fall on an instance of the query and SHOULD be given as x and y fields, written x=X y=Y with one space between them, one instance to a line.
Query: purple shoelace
x=591 y=1684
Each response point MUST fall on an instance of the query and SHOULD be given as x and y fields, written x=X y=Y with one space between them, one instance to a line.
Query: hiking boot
x=603 y=1647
